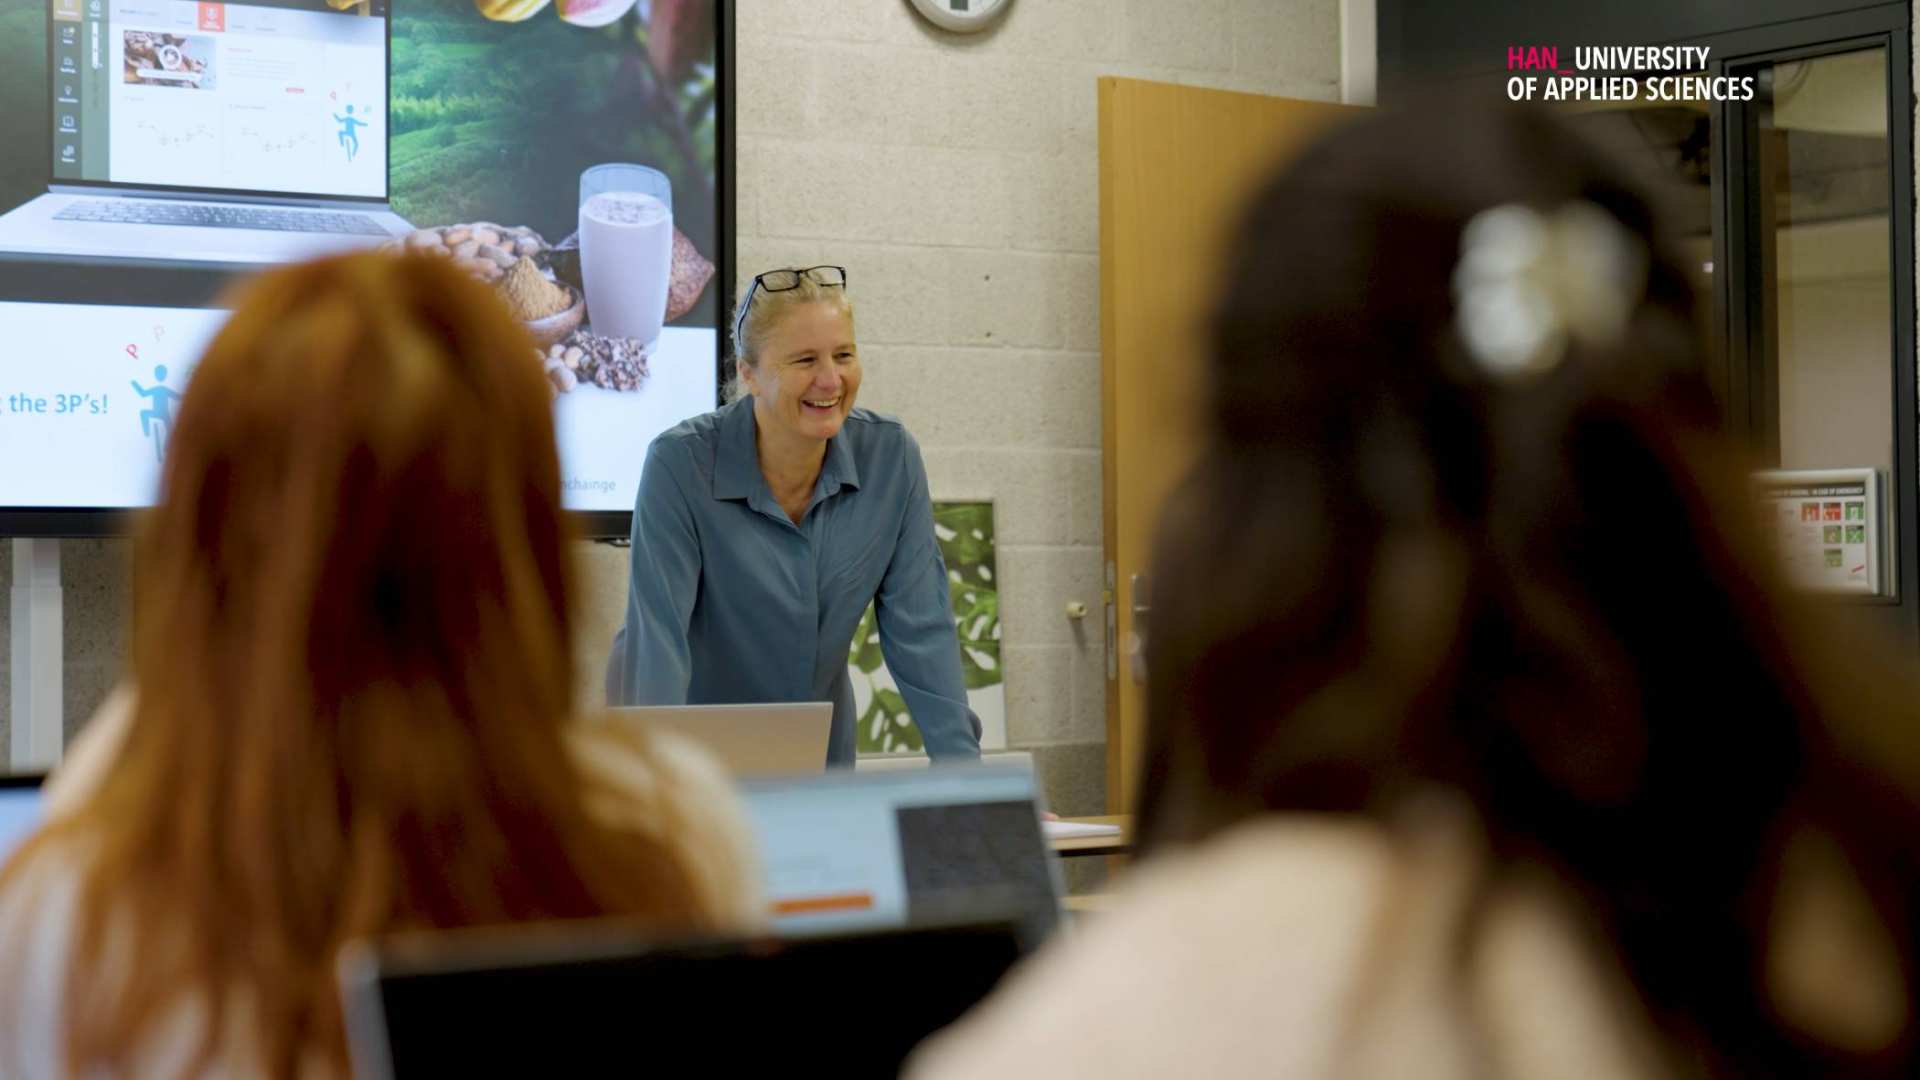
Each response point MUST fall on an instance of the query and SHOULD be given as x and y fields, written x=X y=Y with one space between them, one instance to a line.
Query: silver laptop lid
x=273 y=100
x=750 y=740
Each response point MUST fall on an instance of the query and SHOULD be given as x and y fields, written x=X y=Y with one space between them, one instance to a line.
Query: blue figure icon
x=155 y=421
x=349 y=137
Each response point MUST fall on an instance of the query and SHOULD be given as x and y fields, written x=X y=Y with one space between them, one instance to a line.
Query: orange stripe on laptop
x=834 y=902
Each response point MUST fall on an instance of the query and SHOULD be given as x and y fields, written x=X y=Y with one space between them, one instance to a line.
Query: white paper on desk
x=1073 y=830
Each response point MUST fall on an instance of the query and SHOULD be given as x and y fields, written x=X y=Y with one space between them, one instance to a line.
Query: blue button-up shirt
x=730 y=601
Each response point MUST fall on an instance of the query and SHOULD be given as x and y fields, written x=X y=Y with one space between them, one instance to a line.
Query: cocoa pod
x=689 y=276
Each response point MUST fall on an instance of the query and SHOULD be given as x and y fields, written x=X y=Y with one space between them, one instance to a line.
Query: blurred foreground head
x=1462 y=460
x=362 y=491
x=351 y=670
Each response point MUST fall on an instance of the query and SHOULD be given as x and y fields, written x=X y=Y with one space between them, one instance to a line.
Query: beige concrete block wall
x=956 y=178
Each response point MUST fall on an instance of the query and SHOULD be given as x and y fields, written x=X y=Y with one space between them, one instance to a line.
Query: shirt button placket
x=808 y=657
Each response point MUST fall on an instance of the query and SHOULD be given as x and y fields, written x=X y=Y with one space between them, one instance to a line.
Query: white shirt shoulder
x=1305 y=946
x=1214 y=963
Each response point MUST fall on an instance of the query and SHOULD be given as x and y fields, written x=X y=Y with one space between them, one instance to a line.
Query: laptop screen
x=852 y=1005
x=19 y=812
x=276 y=97
x=859 y=850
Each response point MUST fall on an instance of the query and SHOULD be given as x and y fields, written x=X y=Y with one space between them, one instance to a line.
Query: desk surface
x=1089 y=903
x=1098 y=845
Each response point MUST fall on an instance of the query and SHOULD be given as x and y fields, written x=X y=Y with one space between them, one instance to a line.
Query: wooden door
x=1176 y=164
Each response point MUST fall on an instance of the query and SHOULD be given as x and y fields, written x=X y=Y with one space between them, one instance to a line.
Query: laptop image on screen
x=212 y=132
x=750 y=740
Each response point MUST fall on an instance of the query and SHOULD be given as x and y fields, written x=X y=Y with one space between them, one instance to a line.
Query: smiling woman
x=796 y=356
x=764 y=529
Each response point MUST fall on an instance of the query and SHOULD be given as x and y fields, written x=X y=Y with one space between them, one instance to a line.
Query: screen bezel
x=196 y=286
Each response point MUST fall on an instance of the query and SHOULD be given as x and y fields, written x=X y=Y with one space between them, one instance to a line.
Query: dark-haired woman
x=1502 y=756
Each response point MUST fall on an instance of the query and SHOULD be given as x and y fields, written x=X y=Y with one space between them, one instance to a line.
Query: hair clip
x=1528 y=283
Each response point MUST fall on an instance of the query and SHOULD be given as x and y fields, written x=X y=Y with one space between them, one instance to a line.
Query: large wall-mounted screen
x=572 y=153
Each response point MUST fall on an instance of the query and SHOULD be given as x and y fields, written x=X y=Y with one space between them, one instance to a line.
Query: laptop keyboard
x=164 y=212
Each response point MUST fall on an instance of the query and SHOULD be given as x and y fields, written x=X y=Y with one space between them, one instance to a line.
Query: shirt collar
x=838 y=470
x=736 y=473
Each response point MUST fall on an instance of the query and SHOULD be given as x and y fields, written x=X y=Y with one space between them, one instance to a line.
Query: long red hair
x=352 y=663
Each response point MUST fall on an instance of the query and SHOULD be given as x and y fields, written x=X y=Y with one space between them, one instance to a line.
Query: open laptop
x=606 y=1000
x=222 y=133
x=20 y=811
x=750 y=740
x=847 y=851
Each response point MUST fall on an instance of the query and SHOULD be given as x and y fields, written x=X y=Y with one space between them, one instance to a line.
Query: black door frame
x=1750 y=381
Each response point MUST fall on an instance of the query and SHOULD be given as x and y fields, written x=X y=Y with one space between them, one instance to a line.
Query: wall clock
x=961 y=16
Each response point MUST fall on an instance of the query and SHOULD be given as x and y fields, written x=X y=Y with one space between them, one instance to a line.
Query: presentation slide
x=563 y=152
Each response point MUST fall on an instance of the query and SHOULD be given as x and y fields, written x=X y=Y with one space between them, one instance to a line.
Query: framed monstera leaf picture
x=965 y=534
